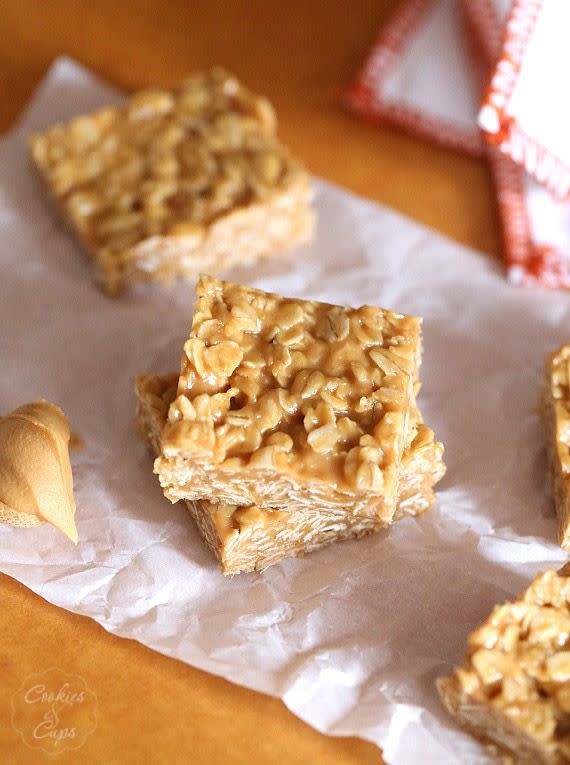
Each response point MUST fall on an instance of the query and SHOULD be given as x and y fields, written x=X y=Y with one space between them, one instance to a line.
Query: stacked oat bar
x=292 y=424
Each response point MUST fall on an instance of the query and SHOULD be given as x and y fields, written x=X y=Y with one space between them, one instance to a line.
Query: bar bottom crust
x=493 y=730
x=250 y=538
x=242 y=237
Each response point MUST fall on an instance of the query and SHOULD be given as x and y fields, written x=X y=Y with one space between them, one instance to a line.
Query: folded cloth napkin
x=525 y=110
x=417 y=77
x=426 y=74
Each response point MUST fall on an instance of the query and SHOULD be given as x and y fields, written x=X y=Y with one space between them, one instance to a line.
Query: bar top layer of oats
x=170 y=164
x=282 y=400
x=513 y=688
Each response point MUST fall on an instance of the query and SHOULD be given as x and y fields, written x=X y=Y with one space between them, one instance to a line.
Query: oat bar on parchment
x=291 y=404
x=513 y=688
x=174 y=183
x=251 y=538
x=556 y=411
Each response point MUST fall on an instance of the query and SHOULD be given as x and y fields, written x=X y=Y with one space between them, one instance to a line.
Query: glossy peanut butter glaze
x=304 y=389
x=36 y=484
x=143 y=184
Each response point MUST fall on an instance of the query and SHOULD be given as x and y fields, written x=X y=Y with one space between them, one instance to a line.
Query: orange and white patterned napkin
x=426 y=74
x=417 y=77
x=526 y=108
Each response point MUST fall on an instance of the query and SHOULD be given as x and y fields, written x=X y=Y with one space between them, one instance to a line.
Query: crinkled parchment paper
x=352 y=637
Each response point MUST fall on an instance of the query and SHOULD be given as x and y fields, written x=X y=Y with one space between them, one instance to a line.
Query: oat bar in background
x=251 y=538
x=556 y=412
x=174 y=183
x=291 y=404
x=513 y=688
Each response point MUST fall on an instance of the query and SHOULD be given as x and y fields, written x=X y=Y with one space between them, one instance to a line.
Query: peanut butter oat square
x=556 y=412
x=177 y=182
x=513 y=689
x=288 y=404
x=251 y=538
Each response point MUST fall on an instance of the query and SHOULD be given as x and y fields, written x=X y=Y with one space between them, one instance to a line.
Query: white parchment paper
x=353 y=637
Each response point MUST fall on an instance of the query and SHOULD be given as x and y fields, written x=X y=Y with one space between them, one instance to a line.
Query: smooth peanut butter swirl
x=36 y=484
x=296 y=386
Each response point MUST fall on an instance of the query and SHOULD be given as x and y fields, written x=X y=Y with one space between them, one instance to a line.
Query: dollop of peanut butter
x=36 y=483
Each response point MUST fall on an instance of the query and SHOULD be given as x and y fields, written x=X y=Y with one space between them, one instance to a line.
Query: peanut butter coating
x=313 y=397
x=176 y=182
x=513 y=688
x=253 y=538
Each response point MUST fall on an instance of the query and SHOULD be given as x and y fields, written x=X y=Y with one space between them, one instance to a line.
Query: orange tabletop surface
x=299 y=53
